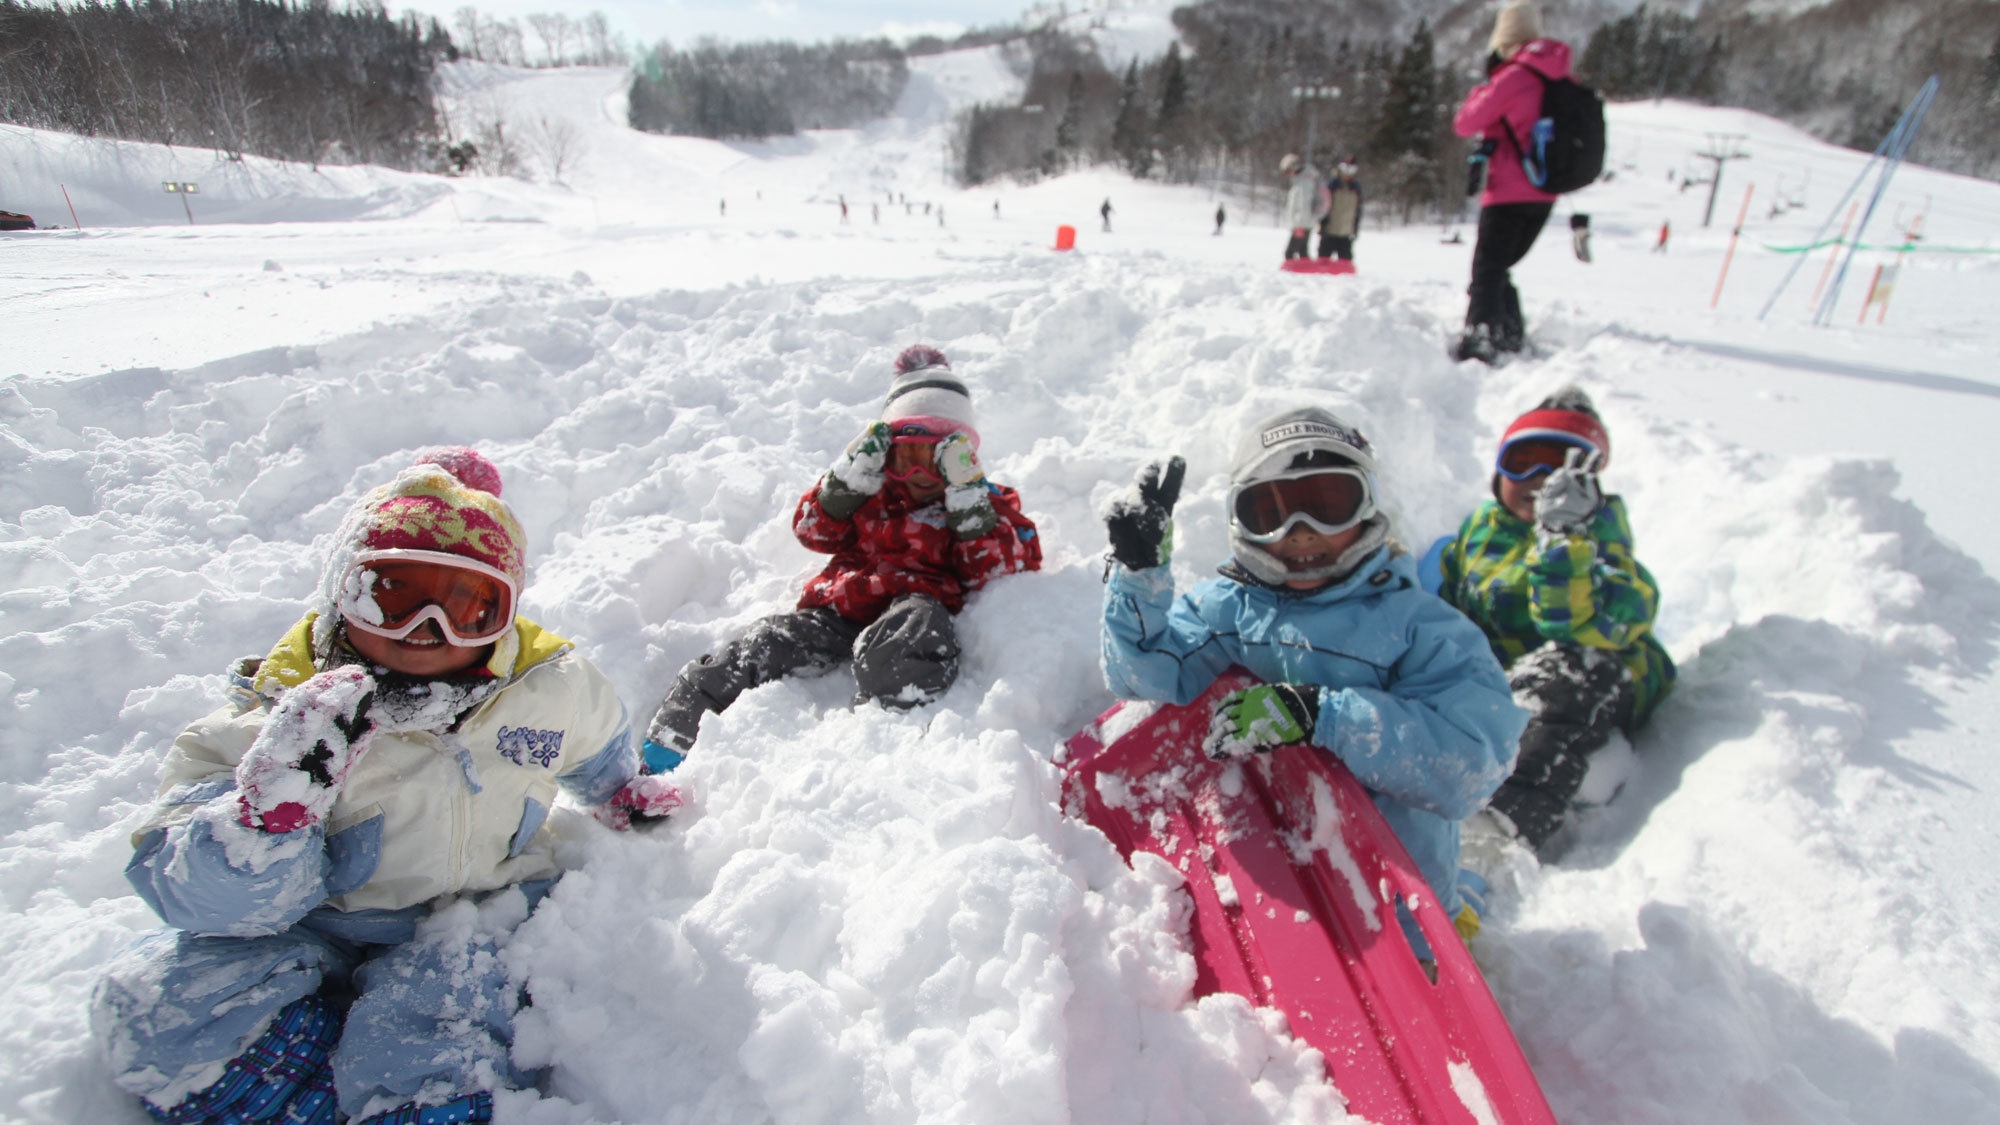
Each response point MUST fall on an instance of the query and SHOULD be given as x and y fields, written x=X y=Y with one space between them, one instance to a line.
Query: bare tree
x=555 y=143
x=554 y=30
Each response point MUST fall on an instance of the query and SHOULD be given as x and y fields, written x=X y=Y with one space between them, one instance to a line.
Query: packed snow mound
x=867 y=916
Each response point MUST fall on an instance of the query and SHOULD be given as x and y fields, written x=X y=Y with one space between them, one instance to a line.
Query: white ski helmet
x=1281 y=443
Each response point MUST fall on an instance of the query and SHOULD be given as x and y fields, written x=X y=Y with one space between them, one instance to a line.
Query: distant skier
x=875 y=211
x=1104 y=212
x=996 y=208
x=1357 y=659
x=391 y=760
x=1305 y=203
x=843 y=210
x=1512 y=210
x=1341 y=224
x=1547 y=571
x=724 y=208
x=1666 y=229
x=913 y=526
x=1221 y=216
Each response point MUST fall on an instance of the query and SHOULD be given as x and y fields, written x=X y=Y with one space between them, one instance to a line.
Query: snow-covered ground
x=1788 y=916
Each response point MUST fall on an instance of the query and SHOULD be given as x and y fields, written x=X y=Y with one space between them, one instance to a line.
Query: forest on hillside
x=1223 y=102
x=309 y=82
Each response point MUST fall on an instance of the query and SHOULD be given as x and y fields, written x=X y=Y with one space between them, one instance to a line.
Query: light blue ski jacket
x=1411 y=697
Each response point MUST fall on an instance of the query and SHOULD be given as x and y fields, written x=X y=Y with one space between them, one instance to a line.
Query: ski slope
x=865 y=917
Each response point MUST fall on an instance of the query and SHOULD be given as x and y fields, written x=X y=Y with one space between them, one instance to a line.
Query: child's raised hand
x=1260 y=719
x=1140 y=524
x=1571 y=495
x=967 y=507
x=859 y=469
x=292 y=774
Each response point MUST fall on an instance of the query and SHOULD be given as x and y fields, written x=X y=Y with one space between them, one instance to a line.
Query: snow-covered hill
x=870 y=917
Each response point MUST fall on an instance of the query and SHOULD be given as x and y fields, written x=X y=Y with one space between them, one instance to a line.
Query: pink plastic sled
x=1294 y=877
x=1317 y=265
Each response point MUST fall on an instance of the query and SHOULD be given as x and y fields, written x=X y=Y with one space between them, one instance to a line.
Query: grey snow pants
x=907 y=656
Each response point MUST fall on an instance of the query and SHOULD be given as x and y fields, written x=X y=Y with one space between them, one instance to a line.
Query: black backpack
x=1566 y=149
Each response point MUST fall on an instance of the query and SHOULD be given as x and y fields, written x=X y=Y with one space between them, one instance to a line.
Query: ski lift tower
x=1312 y=95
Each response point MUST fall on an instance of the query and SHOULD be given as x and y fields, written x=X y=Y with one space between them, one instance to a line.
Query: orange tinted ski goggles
x=391 y=593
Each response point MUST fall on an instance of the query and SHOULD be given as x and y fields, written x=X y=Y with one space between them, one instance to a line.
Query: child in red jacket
x=913 y=526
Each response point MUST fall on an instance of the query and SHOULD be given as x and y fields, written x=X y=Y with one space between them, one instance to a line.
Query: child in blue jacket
x=1316 y=601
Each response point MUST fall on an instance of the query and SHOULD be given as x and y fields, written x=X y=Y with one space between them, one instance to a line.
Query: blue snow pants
x=430 y=1017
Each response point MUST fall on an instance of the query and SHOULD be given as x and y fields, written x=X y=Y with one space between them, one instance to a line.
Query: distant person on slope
x=392 y=759
x=1221 y=216
x=1546 y=570
x=1305 y=203
x=1502 y=112
x=1323 y=606
x=1104 y=213
x=913 y=526
x=1342 y=223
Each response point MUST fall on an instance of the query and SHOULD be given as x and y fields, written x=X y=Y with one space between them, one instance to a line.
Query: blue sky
x=645 y=22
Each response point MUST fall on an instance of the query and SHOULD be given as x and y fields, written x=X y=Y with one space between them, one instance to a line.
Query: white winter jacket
x=423 y=813
x=1307 y=200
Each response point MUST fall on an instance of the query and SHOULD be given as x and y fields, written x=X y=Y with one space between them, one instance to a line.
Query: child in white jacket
x=396 y=753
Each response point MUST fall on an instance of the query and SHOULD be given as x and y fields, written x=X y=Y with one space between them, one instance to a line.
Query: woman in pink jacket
x=1502 y=111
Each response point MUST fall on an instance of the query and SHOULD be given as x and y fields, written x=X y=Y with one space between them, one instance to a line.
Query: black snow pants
x=1507 y=231
x=1575 y=697
x=1331 y=245
x=907 y=656
x=1298 y=246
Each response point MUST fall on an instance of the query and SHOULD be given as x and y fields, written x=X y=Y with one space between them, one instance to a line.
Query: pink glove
x=646 y=798
x=292 y=774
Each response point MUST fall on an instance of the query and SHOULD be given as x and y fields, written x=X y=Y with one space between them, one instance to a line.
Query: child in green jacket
x=1546 y=570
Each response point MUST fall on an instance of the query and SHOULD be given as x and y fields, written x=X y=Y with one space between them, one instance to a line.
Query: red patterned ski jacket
x=893 y=546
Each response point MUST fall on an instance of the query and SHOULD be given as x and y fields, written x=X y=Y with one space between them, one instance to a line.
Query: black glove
x=1140 y=523
x=1475 y=166
x=1579 y=237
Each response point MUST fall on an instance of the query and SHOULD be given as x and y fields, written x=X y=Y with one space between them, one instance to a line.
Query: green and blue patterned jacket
x=1587 y=589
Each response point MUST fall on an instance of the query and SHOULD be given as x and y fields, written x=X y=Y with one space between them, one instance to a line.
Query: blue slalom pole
x=1881 y=151
x=1899 y=145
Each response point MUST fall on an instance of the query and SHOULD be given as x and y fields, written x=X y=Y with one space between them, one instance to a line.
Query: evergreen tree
x=1129 y=132
x=1409 y=121
x=1069 y=129
x=1168 y=123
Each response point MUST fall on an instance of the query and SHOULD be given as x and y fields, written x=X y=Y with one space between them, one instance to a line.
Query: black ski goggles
x=1327 y=500
x=1529 y=457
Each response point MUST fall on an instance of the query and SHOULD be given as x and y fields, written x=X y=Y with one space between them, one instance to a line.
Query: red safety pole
x=1872 y=283
x=72 y=207
x=1731 y=253
x=1835 y=256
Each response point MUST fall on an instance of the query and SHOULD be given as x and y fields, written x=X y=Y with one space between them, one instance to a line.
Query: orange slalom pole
x=71 y=206
x=1731 y=252
x=1873 y=282
x=1835 y=256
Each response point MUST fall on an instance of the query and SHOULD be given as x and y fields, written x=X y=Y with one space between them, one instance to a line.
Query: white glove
x=1571 y=495
x=968 y=506
x=293 y=773
x=857 y=475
